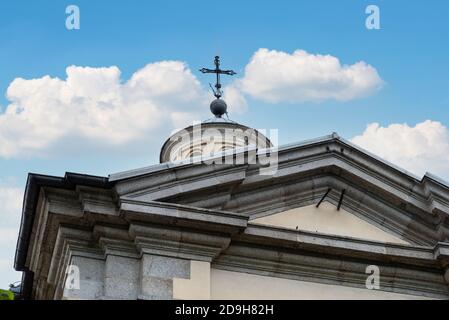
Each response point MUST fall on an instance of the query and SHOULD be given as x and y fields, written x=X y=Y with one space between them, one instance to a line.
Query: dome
x=210 y=137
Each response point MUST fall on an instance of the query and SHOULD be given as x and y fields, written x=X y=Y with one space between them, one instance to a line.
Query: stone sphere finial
x=218 y=107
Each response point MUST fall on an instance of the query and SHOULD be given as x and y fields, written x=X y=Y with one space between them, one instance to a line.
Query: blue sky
x=409 y=53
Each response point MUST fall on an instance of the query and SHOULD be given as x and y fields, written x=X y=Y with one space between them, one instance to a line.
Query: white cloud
x=234 y=99
x=276 y=76
x=10 y=205
x=419 y=149
x=10 y=215
x=93 y=107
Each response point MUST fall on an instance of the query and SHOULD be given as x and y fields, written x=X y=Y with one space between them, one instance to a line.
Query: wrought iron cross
x=217 y=93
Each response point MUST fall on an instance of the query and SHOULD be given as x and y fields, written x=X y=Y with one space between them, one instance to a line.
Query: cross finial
x=217 y=92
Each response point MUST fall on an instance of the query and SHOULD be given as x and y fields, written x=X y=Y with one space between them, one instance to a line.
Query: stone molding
x=392 y=199
x=161 y=212
x=334 y=270
x=429 y=193
x=267 y=251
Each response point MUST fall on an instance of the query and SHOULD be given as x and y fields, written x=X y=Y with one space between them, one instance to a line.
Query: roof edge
x=129 y=174
x=30 y=199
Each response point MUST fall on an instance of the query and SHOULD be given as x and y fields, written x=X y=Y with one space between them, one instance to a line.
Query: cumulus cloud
x=10 y=214
x=234 y=99
x=94 y=109
x=419 y=149
x=10 y=205
x=275 y=76
x=92 y=106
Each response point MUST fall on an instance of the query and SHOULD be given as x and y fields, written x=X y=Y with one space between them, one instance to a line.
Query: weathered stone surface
x=91 y=284
x=157 y=273
x=121 y=277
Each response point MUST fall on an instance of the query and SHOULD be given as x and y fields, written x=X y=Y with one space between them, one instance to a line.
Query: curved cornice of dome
x=213 y=123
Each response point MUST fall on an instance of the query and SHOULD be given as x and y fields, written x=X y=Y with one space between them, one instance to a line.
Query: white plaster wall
x=197 y=287
x=228 y=285
x=327 y=219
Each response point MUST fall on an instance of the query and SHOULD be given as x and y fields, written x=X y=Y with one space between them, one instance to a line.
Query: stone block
x=121 y=277
x=91 y=275
x=157 y=273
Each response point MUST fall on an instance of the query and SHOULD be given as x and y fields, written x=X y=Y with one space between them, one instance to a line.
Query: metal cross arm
x=217 y=93
x=228 y=72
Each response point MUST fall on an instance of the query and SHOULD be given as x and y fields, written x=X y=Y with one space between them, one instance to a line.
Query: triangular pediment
x=328 y=220
x=370 y=191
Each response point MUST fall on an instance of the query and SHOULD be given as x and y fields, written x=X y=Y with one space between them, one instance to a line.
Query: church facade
x=201 y=231
x=331 y=221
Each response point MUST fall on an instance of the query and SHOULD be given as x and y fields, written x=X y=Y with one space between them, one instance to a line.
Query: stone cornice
x=328 y=153
x=234 y=244
x=154 y=211
x=344 y=246
x=177 y=242
x=332 y=269
x=160 y=187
